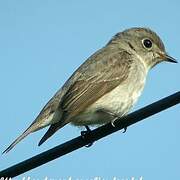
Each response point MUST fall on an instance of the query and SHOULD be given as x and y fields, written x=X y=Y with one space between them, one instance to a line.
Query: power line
x=91 y=136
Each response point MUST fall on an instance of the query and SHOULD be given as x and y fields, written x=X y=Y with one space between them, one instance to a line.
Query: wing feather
x=103 y=73
x=97 y=76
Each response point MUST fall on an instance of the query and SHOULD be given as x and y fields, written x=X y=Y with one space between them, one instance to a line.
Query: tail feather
x=37 y=125
x=21 y=137
x=32 y=128
x=52 y=129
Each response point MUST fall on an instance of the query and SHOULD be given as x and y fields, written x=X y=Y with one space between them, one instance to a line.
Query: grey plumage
x=106 y=85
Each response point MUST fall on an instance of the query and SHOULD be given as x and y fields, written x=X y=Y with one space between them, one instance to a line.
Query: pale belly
x=117 y=102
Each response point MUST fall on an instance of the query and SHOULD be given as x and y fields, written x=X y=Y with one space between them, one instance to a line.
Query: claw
x=125 y=129
x=84 y=133
x=89 y=145
x=112 y=122
x=88 y=129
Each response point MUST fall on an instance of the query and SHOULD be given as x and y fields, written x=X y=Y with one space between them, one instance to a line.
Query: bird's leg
x=115 y=118
x=112 y=123
x=110 y=114
x=88 y=129
x=125 y=129
x=84 y=133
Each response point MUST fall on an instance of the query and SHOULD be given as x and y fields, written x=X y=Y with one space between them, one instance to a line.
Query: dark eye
x=147 y=43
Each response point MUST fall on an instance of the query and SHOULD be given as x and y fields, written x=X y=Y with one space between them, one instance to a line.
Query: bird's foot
x=112 y=123
x=125 y=129
x=84 y=134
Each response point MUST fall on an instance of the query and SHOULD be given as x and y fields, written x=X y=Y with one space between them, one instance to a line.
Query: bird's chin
x=154 y=63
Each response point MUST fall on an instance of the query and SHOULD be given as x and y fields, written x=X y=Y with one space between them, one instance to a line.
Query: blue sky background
x=43 y=42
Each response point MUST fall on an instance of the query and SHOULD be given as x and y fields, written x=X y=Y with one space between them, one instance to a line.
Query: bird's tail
x=21 y=137
x=35 y=126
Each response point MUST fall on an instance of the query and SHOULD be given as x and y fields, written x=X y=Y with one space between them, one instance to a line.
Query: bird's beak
x=167 y=58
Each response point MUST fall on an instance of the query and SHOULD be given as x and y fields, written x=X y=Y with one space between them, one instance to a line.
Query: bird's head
x=146 y=44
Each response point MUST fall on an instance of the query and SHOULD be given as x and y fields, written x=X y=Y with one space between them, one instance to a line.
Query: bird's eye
x=147 y=43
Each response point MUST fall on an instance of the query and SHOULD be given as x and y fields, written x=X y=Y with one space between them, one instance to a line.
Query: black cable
x=91 y=136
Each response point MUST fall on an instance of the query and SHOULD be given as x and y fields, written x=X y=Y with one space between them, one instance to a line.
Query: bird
x=106 y=86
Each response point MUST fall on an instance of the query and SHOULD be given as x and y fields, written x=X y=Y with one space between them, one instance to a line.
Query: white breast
x=120 y=100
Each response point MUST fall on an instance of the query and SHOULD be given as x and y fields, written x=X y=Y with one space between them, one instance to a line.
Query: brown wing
x=104 y=72
x=101 y=73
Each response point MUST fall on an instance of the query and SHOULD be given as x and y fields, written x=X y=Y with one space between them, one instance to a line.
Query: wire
x=91 y=136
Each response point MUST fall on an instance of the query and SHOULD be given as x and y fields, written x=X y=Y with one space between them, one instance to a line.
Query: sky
x=42 y=43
